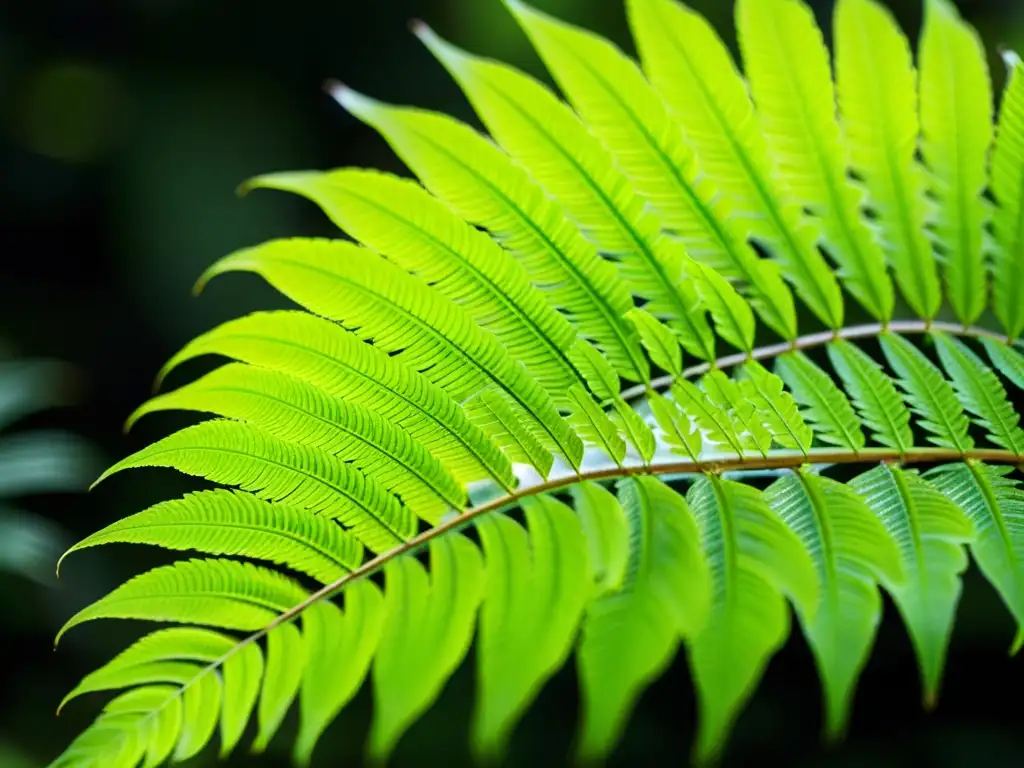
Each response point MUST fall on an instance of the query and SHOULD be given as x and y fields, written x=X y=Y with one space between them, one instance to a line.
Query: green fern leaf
x=399 y=219
x=725 y=394
x=877 y=89
x=339 y=649
x=482 y=184
x=594 y=426
x=994 y=503
x=523 y=640
x=223 y=522
x=874 y=394
x=200 y=708
x=630 y=634
x=300 y=413
x=401 y=315
x=607 y=535
x=1006 y=359
x=1008 y=216
x=658 y=340
x=338 y=363
x=825 y=405
x=632 y=424
x=625 y=113
x=675 y=425
x=218 y=593
x=775 y=407
x=492 y=412
x=693 y=71
x=981 y=393
x=753 y=559
x=428 y=625
x=796 y=105
x=282 y=676
x=712 y=418
x=929 y=530
x=733 y=318
x=238 y=454
x=851 y=550
x=242 y=676
x=929 y=395
x=956 y=128
x=543 y=134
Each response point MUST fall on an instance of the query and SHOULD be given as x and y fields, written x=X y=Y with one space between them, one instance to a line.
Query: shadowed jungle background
x=125 y=127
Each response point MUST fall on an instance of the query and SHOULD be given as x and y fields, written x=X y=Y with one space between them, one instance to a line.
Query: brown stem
x=815 y=340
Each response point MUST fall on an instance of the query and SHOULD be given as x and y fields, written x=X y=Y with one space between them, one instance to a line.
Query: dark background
x=125 y=126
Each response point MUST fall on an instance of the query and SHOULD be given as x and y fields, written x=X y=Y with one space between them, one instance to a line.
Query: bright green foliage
x=877 y=89
x=631 y=632
x=447 y=435
x=796 y=104
x=523 y=640
x=981 y=393
x=825 y=405
x=427 y=628
x=874 y=394
x=929 y=530
x=930 y=396
x=956 y=128
x=753 y=559
x=852 y=550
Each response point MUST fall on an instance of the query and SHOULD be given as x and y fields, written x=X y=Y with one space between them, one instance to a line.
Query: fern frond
x=482 y=184
x=235 y=453
x=929 y=529
x=222 y=522
x=542 y=134
x=956 y=128
x=877 y=89
x=797 y=109
x=401 y=315
x=465 y=363
x=337 y=362
x=297 y=412
x=693 y=71
x=1005 y=177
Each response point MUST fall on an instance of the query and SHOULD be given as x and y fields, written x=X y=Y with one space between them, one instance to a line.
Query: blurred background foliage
x=125 y=128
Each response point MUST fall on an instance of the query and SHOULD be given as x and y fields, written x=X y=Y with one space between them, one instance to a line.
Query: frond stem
x=777 y=460
x=811 y=340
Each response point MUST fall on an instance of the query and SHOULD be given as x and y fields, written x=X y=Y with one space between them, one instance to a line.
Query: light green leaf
x=797 y=110
x=239 y=454
x=339 y=649
x=874 y=394
x=930 y=532
x=658 y=340
x=217 y=593
x=877 y=89
x=824 y=404
x=711 y=418
x=956 y=129
x=242 y=673
x=981 y=392
x=754 y=559
x=851 y=550
x=607 y=533
x=200 y=709
x=428 y=626
x=594 y=426
x=1006 y=359
x=223 y=522
x=775 y=407
x=337 y=362
x=630 y=635
x=492 y=413
x=928 y=393
x=282 y=675
x=536 y=587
